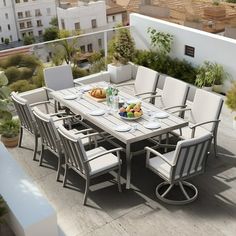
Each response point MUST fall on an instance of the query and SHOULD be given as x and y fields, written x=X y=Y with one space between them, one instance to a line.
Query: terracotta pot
x=10 y=142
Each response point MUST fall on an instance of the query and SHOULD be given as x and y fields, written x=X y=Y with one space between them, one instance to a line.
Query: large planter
x=209 y=89
x=10 y=142
x=119 y=73
x=218 y=88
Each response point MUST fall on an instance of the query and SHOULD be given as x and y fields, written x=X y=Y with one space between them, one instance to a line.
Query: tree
x=50 y=33
x=54 y=22
x=28 y=39
x=6 y=41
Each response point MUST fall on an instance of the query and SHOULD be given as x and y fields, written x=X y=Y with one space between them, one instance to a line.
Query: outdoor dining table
x=108 y=121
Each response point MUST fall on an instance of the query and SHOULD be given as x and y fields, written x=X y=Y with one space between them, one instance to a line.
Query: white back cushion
x=59 y=77
x=174 y=92
x=146 y=80
x=206 y=106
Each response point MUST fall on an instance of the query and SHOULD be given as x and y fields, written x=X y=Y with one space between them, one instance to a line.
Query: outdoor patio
x=137 y=211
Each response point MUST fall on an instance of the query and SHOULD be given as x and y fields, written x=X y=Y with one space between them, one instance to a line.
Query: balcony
x=137 y=211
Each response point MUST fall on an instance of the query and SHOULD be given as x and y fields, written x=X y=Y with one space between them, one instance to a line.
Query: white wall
x=208 y=46
x=83 y=14
x=5 y=32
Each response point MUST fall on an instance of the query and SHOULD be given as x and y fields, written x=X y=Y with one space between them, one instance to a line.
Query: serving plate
x=132 y=118
x=122 y=128
x=70 y=96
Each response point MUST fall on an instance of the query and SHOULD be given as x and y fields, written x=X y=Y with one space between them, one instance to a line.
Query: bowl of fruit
x=131 y=112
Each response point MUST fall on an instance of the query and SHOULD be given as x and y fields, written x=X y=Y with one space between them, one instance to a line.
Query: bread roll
x=98 y=93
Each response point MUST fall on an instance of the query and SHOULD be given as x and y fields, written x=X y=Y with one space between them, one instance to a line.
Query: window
x=4 y=3
x=82 y=49
x=40 y=32
x=25 y=0
x=113 y=18
x=94 y=23
x=23 y=35
x=0 y=28
x=38 y=12
x=29 y=24
x=39 y=23
x=22 y=25
x=9 y=27
x=10 y=37
x=2 y=39
x=77 y=26
x=63 y=24
x=6 y=16
x=100 y=43
x=48 y=11
x=27 y=14
x=31 y=33
x=90 y=47
x=20 y=15
x=17 y=1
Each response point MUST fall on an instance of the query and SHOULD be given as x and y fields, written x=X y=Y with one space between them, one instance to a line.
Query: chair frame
x=70 y=142
x=172 y=181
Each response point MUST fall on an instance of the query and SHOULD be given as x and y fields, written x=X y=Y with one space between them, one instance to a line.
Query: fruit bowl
x=131 y=112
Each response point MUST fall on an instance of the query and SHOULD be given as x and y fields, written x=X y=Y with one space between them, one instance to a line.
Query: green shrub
x=22 y=86
x=97 y=66
x=78 y=72
x=3 y=210
x=231 y=98
x=29 y=61
x=11 y=61
x=10 y=128
x=25 y=73
x=12 y=74
x=38 y=79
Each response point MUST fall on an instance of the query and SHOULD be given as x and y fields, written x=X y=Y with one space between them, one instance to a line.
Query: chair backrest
x=206 y=106
x=190 y=157
x=75 y=154
x=174 y=92
x=48 y=131
x=58 y=77
x=146 y=80
x=24 y=113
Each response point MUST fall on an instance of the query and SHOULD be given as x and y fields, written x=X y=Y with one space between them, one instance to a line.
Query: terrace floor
x=137 y=211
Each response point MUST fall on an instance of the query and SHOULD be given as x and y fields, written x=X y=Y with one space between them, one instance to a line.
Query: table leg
x=128 y=168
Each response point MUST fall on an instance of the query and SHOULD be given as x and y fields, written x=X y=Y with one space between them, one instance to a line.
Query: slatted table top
x=83 y=106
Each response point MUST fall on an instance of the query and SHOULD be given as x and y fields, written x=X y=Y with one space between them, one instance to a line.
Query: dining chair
x=174 y=95
x=88 y=164
x=145 y=81
x=175 y=167
x=203 y=116
x=27 y=120
x=47 y=126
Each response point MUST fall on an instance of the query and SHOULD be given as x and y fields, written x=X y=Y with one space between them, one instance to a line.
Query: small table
x=107 y=123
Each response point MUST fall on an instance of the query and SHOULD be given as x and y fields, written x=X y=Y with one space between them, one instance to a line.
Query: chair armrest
x=83 y=130
x=181 y=106
x=150 y=150
x=63 y=118
x=193 y=127
x=139 y=94
x=58 y=113
x=120 y=85
x=184 y=109
x=48 y=89
x=39 y=103
x=152 y=96
x=117 y=150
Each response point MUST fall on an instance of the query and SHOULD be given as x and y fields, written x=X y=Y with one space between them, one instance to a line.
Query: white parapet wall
x=30 y=213
x=211 y=47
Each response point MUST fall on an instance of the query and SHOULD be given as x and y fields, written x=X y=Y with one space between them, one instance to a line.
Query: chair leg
x=41 y=155
x=35 y=147
x=118 y=179
x=215 y=145
x=58 y=168
x=86 y=191
x=65 y=175
x=187 y=199
x=20 y=138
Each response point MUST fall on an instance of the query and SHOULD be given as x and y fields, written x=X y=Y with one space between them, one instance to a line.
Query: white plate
x=160 y=115
x=98 y=112
x=70 y=97
x=86 y=88
x=133 y=101
x=123 y=128
x=152 y=125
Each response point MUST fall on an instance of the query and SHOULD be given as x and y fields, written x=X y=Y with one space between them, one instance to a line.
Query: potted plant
x=210 y=74
x=231 y=101
x=9 y=127
x=122 y=51
x=9 y=130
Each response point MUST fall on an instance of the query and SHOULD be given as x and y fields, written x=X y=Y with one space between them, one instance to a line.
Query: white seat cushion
x=160 y=166
x=101 y=163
